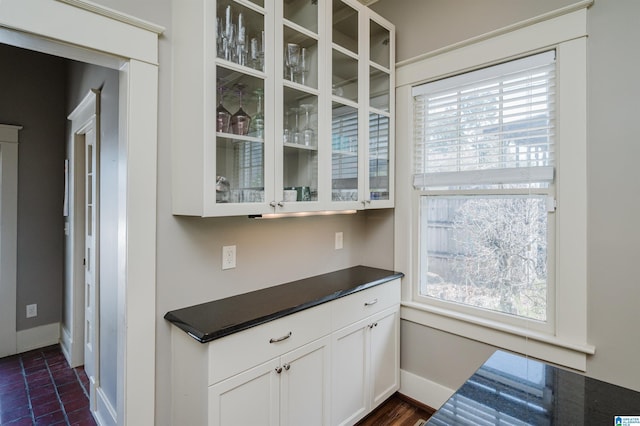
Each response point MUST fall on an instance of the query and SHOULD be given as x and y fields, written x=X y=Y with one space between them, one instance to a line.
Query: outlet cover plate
x=228 y=257
x=339 y=240
x=32 y=310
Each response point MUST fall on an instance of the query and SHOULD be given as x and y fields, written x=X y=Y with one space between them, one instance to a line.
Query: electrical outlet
x=32 y=310
x=228 y=257
x=338 y=240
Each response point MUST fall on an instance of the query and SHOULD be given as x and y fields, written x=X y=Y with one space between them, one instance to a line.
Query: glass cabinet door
x=380 y=86
x=300 y=94
x=240 y=98
x=345 y=111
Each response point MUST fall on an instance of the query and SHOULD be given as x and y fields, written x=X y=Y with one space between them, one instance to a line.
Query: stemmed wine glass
x=292 y=59
x=240 y=120
x=223 y=116
x=308 y=134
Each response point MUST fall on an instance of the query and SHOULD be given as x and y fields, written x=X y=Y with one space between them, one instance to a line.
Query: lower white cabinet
x=326 y=365
x=290 y=390
x=366 y=366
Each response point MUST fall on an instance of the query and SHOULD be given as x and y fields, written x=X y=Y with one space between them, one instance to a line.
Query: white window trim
x=567 y=344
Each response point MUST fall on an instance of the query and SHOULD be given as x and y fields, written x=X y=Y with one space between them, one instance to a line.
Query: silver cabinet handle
x=287 y=367
x=280 y=203
x=373 y=302
x=280 y=339
x=278 y=370
x=272 y=204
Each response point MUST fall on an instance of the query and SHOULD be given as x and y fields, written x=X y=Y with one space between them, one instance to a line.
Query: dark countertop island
x=212 y=320
x=511 y=389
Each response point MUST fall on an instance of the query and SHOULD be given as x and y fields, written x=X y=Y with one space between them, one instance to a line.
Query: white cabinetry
x=365 y=356
x=262 y=126
x=326 y=365
x=290 y=390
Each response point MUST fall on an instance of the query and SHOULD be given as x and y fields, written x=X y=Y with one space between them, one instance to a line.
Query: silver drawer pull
x=280 y=339
x=373 y=302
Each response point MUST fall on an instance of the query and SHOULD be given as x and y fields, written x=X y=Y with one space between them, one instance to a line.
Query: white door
x=249 y=398
x=385 y=355
x=350 y=381
x=91 y=290
x=304 y=385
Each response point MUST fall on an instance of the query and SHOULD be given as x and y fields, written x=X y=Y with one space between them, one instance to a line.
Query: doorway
x=118 y=41
x=8 y=237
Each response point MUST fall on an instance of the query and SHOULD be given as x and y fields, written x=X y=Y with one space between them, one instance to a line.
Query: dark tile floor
x=39 y=388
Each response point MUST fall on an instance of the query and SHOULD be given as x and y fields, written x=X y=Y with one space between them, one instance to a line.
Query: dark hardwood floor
x=398 y=410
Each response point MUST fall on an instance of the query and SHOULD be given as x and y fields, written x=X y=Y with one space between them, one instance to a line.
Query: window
x=546 y=180
x=483 y=165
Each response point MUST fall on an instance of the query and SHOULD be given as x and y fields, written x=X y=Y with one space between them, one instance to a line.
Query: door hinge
x=552 y=204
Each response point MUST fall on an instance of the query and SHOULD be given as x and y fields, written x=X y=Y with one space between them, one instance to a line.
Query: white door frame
x=8 y=236
x=85 y=115
x=85 y=31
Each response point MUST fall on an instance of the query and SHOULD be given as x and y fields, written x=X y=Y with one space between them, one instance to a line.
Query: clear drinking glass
x=308 y=134
x=286 y=133
x=240 y=121
x=257 y=122
x=296 y=136
x=304 y=65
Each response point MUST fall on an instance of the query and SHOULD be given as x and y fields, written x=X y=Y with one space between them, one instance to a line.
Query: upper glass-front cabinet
x=298 y=171
x=380 y=115
x=281 y=106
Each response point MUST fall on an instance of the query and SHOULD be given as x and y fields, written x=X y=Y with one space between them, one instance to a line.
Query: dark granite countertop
x=511 y=389
x=209 y=321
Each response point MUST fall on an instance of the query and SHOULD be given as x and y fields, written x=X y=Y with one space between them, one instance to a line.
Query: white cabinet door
x=350 y=380
x=249 y=398
x=385 y=356
x=304 y=385
x=366 y=366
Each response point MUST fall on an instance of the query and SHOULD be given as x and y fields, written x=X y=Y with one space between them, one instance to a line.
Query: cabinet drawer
x=353 y=308
x=240 y=351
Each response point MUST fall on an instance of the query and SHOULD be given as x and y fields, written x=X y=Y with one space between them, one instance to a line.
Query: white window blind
x=490 y=126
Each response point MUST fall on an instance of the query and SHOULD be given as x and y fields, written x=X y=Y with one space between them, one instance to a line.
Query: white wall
x=612 y=173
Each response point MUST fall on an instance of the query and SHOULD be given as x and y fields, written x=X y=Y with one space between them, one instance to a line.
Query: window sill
x=529 y=342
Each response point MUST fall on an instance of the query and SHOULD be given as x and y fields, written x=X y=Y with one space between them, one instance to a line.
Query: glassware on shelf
x=240 y=121
x=296 y=136
x=223 y=116
x=257 y=122
x=286 y=133
x=257 y=52
x=292 y=59
x=308 y=134
x=304 y=65
x=241 y=51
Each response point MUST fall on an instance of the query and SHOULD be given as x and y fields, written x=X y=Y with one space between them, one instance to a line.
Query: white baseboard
x=424 y=390
x=38 y=337
x=105 y=414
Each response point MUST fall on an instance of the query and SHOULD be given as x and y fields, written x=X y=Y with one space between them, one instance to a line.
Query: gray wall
x=82 y=78
x=613 y=177
x=33 y=94
x=426 y=25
